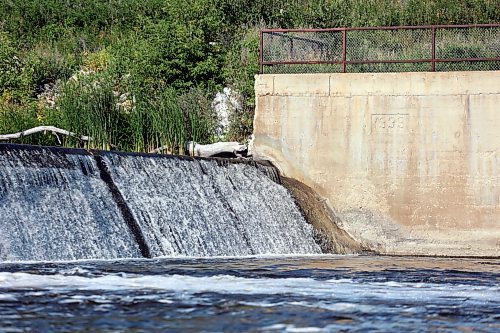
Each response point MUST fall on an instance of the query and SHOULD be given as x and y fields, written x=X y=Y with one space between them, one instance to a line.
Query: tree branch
x=38 y=129
x=214 y=149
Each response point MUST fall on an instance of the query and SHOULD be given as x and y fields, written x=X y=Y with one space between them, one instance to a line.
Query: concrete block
x=409 y=161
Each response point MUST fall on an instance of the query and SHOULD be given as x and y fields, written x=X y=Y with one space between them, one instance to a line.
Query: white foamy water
x=61 y=204
x=255 y=294
x=227 y=284
x=210 y=208
x=54 y=205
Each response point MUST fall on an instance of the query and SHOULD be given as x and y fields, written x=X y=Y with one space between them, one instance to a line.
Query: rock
x=225 y=104
x=123 y=97
x=48 y=93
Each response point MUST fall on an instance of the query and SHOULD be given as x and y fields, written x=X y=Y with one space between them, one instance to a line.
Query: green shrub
x=242 y=63
x=15 y=81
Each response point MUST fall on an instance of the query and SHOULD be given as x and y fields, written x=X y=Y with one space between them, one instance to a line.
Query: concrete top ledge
x=363 y=84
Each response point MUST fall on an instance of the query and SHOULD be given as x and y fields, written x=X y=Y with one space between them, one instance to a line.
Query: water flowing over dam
x=65 y=204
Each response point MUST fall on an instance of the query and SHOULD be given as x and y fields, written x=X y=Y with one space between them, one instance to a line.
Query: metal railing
x=381 y=49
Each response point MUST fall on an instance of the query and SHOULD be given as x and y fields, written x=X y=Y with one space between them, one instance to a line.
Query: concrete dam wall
x=408 y=162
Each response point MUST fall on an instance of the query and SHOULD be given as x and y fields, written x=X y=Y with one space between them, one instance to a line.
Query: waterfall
x=55 y=206
x=62 y=204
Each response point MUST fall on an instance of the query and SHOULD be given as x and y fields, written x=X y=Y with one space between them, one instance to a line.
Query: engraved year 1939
x=389 y=122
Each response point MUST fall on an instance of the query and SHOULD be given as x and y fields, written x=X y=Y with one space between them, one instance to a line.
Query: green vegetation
x=139 y=74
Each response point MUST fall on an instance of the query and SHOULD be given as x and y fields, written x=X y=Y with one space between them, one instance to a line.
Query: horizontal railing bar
x=308 y=62
x=410 y=61
x=361 y=62
x=407 y=27
x=401 y=61
x=304 y=30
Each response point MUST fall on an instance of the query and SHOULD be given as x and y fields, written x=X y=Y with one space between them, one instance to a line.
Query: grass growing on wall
x=152 y=67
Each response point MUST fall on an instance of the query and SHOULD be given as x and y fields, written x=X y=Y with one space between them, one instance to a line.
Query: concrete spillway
x=64 y=204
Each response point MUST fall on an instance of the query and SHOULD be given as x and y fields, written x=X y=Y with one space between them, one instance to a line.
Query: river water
x=317 y=293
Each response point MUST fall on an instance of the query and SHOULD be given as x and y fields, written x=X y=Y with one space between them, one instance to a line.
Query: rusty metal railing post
x=344 y=53
x=433 y=61
x=261 y=65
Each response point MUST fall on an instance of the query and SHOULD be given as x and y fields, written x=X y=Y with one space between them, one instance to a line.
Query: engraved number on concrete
x=389 y=122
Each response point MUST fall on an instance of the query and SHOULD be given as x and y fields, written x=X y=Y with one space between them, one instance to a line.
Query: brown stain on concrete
x=328 y=235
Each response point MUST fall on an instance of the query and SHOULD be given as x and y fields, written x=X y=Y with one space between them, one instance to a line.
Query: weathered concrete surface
x=409 y=162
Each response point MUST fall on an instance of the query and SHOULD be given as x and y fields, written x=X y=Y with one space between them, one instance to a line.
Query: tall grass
x=14 y=118
x=89 y=106
x=160 y=122
x=198 y=115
